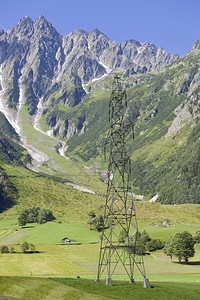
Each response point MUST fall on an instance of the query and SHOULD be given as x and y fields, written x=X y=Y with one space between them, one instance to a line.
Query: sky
x=171 y=24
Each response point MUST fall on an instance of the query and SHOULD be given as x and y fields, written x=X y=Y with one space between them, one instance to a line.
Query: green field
x=85 y=289
x=80 y=257
x=52 y=272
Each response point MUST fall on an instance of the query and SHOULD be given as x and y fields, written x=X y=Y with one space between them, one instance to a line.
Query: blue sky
x=171 y=24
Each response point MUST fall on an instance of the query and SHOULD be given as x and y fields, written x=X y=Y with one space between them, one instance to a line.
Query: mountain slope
x=28 y=189
x=166 y=112
x=10 y=150
x=165 y=157
x=180 y=184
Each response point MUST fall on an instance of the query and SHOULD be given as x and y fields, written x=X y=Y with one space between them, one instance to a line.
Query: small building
x=66 y=240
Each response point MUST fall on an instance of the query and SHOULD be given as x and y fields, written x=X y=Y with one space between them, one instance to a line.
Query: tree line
x=181 y=245
x=141 y=240
x=25 y=247
x=35 y=215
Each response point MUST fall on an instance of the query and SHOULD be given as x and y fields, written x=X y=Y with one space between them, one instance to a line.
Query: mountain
x=36 y=55
x=55 y=91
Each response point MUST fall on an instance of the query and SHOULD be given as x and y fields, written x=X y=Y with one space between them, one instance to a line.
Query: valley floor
x=69 y=270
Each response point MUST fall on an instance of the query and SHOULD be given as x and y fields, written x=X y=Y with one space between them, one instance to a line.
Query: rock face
x=35 y=53
x=28 y=51
x=182 y=116
x=38 y=62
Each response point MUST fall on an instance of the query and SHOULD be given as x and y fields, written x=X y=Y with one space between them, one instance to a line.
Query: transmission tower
x=120 y=239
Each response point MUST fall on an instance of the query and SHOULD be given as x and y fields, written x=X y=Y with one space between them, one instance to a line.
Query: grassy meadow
x=78 y=258
x=52 y=272
x=86 y=289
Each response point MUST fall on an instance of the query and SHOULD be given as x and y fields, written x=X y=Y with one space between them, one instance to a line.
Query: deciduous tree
x=180 y=245
x=24 y=247
x=4 y=249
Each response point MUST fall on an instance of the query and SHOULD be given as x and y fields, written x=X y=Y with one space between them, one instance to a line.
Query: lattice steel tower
x=120 y=240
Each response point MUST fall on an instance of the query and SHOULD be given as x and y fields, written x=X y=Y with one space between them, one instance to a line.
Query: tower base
x=147 y=283
x=108 y=281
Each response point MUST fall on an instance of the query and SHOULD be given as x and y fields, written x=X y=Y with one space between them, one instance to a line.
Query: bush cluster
x=143 y=240
x=35 y=215
x=95 y=222
x=25 y=247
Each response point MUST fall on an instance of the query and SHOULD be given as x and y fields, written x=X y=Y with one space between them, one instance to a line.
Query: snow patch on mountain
x=80 y=188
x=36 y=125
x=14 y=120
x=108 y=70
x=38 y=116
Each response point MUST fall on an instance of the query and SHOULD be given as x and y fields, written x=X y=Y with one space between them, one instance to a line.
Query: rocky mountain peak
x=42 y=21
x=132 y=43
x=50 y=75
x=196 y=45
x=45 y=28
x=24 y=28
x=96 y=33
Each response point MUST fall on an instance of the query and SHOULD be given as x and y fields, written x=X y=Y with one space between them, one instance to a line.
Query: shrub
x=4 y=249
x=24 y=247
x=12 y=250
x=99 y=223
x=154 y=244
x=32 y=248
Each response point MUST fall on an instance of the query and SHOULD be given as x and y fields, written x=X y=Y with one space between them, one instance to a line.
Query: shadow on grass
x=194 y=263
x=190 y=263
x=28 y=252
x=71 y=244
x=30 y=226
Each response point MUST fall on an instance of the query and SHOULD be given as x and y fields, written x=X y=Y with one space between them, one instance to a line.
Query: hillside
x=31 y=189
